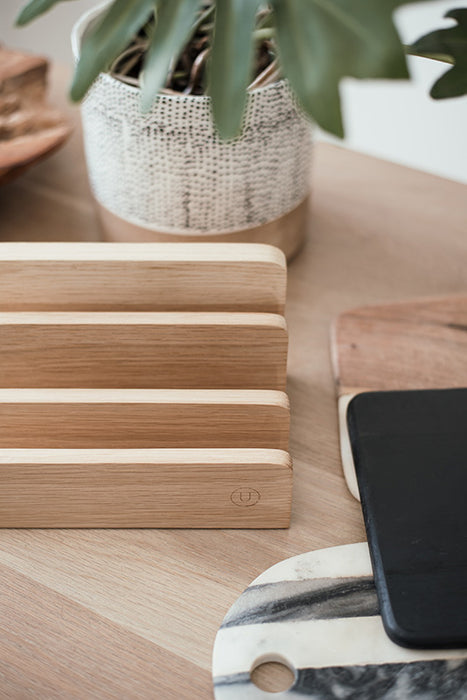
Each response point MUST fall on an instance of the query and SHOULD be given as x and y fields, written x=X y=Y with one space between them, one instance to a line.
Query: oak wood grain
x=144 y=418
x=52 y=647
x=380 y=233
x=143 y=350
x=145 y=488
x=141 y=277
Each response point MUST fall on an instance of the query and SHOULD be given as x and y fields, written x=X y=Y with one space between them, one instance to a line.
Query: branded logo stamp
x=245 y=497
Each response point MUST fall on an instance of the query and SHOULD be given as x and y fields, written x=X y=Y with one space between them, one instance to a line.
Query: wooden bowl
x=30 y=130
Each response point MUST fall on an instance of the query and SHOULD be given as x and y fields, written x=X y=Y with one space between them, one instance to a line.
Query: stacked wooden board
x=142 y=385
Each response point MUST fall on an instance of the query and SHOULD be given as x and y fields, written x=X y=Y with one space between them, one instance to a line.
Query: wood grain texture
x=54 y=648
x=408 y=345
x=141 y=277
x=145 y=488
x=380 y=233
x=145 y=418
x=143 y=350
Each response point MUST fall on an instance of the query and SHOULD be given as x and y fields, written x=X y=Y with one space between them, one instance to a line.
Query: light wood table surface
x=133 y=614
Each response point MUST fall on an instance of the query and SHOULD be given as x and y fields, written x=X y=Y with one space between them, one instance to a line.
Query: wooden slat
x=141 y=277
x=143 y=350
x=145 y=488
x=143 y=418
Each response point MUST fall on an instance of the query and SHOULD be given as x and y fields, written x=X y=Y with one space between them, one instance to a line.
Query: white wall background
x=394 y=120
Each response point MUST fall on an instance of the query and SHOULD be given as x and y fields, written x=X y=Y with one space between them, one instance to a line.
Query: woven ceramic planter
x=167 y=176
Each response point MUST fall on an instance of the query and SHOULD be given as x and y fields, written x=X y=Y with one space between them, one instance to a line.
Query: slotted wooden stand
x=142 y=385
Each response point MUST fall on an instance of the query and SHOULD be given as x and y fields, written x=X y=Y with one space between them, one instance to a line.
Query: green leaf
x=107 y=39
x=34 y=9
x=175 y=23
x=450 y=43
x=322 y=41
x=231 y=62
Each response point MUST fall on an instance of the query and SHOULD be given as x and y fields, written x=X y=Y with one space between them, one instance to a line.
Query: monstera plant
x=318 y=42
x=248 y=63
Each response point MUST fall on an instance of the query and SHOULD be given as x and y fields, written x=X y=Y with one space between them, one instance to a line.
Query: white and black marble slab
x=318 y=614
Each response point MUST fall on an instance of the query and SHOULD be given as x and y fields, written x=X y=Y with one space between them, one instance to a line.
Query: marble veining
x=328 y=628
x=420 y=680
x=311 y=599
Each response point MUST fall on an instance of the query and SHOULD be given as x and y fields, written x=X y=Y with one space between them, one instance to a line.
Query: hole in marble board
x=273 y=674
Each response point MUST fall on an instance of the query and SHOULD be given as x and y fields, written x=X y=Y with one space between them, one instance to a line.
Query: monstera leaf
x=174 y=25
x=322 y=41
x=448 y=45
x=231 y=62
x=112 y=33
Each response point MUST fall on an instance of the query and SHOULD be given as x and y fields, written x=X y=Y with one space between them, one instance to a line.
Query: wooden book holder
x=142 y=385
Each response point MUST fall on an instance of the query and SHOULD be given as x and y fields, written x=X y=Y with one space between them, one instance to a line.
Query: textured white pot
x=166 y=175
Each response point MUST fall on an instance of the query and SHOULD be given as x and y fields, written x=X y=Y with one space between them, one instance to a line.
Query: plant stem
x=207 y=14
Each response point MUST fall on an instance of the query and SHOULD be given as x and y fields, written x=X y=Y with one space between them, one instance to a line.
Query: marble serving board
x=408 y=345
x=317 y=613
